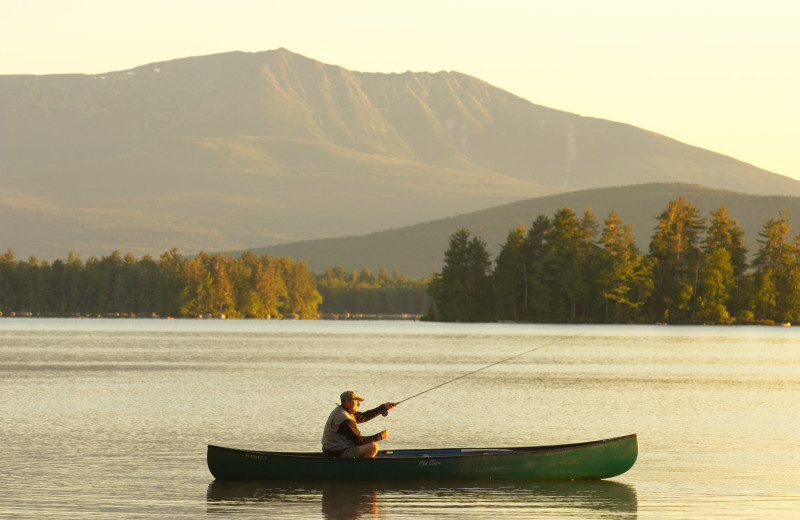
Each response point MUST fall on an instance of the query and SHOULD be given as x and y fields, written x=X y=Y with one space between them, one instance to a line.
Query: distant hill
x=241 y=150
x=419 y=250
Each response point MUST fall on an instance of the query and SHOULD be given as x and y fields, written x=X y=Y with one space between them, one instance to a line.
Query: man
x=342 y=438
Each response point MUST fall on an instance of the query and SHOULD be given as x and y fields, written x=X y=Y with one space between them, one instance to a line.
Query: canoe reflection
x=353 y=500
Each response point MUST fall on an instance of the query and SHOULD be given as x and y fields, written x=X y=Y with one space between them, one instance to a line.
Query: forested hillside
x=418 y=250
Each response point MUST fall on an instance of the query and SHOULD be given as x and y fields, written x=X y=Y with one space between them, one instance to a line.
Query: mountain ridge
x=240 y=150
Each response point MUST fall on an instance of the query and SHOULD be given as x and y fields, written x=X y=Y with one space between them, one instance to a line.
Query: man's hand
x=383 y=434
x=389 y=406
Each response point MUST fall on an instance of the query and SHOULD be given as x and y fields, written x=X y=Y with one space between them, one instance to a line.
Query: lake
x=110 y=418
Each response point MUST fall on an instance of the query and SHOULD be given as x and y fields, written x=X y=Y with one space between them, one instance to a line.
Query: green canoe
x=586 y=460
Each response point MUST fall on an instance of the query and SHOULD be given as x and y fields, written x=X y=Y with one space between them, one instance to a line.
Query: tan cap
x=350 y=395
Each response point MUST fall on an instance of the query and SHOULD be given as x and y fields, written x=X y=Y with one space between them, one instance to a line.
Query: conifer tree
x=170 y=282
x=7 y=265
x=197 y=293
x=725 y=233
x=221 y=289
x=563 y=264
x=714 y=287
x=625 y=274
x=776 y=274
x=538 y=297
x=590 y=253
x=511 y=277
x=463 y=290
x=675 y=249
x=269 y=286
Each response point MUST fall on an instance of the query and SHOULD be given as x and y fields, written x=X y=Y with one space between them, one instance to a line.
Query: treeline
x=251 y=286
x=566 y=269
x=363 y=292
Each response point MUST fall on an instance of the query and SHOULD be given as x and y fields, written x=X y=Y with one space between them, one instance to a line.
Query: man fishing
x=342 y=438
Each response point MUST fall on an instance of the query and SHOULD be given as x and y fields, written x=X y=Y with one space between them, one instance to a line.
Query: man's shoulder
x=339 y=414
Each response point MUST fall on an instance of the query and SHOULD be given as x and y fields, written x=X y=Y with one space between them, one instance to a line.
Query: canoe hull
x=589 y=460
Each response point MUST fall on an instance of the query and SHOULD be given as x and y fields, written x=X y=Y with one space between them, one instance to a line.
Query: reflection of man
x=349 y=500
x=342 y=438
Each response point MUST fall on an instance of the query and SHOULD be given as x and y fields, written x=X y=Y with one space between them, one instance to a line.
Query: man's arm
x=350 y=430
x=370 y=414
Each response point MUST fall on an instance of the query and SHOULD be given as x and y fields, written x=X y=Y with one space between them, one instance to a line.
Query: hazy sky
x=719 y=74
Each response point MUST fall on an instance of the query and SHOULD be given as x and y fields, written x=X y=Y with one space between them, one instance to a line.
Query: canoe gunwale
x=435 y=452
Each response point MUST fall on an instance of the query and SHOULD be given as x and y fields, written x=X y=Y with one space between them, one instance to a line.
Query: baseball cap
x=350 y=395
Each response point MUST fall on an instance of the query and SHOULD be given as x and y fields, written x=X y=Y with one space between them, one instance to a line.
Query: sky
x=719 y=74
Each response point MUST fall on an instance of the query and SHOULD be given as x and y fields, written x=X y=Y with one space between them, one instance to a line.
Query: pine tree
x=625 y=275
x=463 y=290
x=675 y=249
x=222 y=295
x=302 y=295
x=269 y=287
x=511 y=277
x=7 y=265
x=725 y=233
x=538 y=301
x=169 y=285
x=590 y=254
x=714 y=288
x=563 y=264
x=775 y=277
x=197 y=292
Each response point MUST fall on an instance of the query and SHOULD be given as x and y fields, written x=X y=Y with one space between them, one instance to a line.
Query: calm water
x=111 y=418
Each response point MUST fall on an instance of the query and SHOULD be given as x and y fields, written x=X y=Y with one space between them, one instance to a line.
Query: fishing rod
x=484 y=368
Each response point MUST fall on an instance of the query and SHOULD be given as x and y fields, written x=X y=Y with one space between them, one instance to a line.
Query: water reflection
x=356 y=500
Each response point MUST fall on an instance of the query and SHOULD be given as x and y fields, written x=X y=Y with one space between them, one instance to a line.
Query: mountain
x=242 y=150
x=418 y=250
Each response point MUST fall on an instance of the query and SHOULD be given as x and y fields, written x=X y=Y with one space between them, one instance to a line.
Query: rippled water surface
x=111 y=418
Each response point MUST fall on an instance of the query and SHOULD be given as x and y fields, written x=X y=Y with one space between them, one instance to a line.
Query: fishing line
x=489 y=366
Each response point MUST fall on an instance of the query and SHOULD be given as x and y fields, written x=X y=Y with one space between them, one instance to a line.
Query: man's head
x=350 y=400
